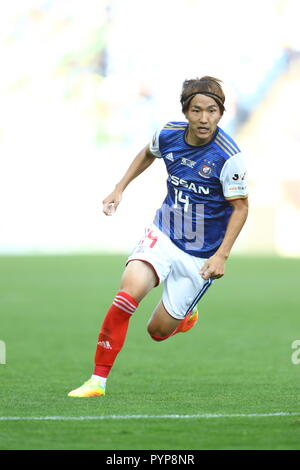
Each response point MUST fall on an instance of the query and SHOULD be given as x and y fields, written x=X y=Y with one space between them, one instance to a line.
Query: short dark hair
x=209 y=86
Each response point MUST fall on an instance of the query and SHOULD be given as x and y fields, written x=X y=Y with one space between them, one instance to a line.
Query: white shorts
x=177 y=270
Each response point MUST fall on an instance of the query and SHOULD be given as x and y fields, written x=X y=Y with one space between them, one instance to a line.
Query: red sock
x=113 y=332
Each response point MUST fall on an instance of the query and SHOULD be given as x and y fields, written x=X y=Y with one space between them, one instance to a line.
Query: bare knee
x=161 y=325
x=138 y=279
x=158 y=333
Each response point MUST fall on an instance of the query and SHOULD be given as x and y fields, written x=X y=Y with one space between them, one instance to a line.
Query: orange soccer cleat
x=189 y=321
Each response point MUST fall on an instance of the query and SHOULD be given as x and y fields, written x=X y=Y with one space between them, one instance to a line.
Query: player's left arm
x=214 y=267
x=234 y=183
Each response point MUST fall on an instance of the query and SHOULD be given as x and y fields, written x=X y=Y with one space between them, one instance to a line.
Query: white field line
x=111 y=417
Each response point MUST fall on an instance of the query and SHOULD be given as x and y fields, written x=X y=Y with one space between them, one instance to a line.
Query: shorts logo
x=205 y=171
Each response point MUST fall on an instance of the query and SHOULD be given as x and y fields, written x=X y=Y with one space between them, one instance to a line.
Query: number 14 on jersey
x=180 y=198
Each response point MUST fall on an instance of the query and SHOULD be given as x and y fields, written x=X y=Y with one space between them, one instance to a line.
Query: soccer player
x=189 y=241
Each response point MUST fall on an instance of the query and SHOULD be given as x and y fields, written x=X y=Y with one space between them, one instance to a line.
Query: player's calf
x=160 y=333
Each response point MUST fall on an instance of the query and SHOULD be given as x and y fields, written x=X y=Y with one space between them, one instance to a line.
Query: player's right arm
x=141 y=162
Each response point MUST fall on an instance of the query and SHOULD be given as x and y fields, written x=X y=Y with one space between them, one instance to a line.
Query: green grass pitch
x=237 y=359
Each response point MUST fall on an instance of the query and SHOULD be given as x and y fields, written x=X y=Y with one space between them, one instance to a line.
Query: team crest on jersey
x=205 y=171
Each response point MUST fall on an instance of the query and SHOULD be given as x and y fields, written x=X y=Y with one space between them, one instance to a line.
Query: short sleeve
x=233 y=178
x=154 y=144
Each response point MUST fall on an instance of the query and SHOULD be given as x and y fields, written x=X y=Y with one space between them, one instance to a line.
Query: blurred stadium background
x=84 y=85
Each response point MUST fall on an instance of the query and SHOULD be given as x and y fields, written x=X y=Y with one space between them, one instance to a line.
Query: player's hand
x=111 y=202
x=213 y=268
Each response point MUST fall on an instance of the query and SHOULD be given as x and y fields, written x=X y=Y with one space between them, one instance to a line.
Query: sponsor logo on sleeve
x=236 y=176
x=237 y=188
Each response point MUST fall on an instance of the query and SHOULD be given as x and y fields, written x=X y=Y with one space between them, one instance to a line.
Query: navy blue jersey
x=201 y=182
